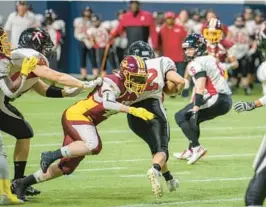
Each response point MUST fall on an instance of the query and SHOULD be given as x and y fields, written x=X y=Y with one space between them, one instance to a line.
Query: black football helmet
x=196 y=41
x=141 y=49
x=37 y=39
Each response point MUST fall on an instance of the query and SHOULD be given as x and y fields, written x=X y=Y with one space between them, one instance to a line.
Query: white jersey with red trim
x=17 y=57
x=216 y=82
x=157 y=69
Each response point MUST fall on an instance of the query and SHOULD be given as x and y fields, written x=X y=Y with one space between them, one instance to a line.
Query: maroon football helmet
x=133 y=71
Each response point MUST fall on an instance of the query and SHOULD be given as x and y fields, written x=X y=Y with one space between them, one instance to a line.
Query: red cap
x=169 y=14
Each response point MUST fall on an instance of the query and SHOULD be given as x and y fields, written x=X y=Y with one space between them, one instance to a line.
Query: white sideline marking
x=139 y=140
x=146 y=159
x=101 y=169
x=182 y=202
x=225 y=128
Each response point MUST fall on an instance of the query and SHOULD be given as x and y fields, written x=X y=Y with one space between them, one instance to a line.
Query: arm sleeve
x=6 y=90
x=110 y=92
x=167 y=65
x=119 y=29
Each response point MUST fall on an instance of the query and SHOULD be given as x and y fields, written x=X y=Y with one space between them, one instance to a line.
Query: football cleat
x=172 y=185
x=186 y=154
x=46 y=161
x=6 y=196
x=30 y=191
x=155 y=177
x=19 y=189
x=198 y=152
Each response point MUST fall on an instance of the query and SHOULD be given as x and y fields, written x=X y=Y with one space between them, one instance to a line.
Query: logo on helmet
x=38 y=36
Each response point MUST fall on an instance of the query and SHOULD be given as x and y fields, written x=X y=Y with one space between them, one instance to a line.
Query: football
x=170 y=88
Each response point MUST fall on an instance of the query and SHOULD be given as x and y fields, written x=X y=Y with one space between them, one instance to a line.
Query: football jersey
x=240 y=37
x=261 y=72
x=17 y=57
x=215 y=82
x=221 y=51
x=157 y=69
x=99 y=35
x=92 y=107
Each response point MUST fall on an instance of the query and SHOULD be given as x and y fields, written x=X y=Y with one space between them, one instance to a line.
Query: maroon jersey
x=92 y=107
x=220 y=50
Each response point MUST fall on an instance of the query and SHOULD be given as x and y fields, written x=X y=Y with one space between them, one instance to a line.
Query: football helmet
x=5 y=46
x=133 y=71
x=37 y=39
x=196 y=41
x=141 y=49
x=213 y=33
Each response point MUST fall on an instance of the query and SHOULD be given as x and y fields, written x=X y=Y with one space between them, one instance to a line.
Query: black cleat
x=46 y=161
x=19 y=189
x=31 y=191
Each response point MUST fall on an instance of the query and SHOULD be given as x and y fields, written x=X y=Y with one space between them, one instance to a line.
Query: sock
x=65 y=152
x=19 y=169
x=157 y=167
x=29 y=180
x=167 y=176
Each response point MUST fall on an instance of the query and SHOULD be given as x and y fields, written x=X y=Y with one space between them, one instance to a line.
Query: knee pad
x=180 y=118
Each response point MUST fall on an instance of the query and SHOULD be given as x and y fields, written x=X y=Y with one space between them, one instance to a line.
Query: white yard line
x=183 y=202
x=101 y=169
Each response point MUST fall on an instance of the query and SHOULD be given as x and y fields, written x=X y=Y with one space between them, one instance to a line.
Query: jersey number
x=152 y=86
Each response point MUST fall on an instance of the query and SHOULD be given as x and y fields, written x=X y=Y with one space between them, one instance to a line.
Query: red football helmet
x=213 y=33
x=134 y=72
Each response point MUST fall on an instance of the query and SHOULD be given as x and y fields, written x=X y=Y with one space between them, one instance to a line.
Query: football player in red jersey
x=79 y=121
x=220 y=47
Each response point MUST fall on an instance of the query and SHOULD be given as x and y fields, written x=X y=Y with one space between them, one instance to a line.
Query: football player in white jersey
x=211 y=96
x=156 y=132
x=11 y=90
x=255 y=194
x=34 y=42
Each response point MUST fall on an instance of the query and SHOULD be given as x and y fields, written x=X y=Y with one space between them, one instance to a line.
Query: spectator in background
x=120 y=43
x=171 y=37
x=248 y=16
x=56 y=29
x=138 y=25
x=99 y=37
x=241 y=39
x=159 y=20
x=81 y=25
x=194 y=23
x=182 y=19
x=18 y=21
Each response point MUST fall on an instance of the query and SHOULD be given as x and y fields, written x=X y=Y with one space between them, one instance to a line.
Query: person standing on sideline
x=171 y=37
x=138 y=25
x=18 y=21
x=81 y=25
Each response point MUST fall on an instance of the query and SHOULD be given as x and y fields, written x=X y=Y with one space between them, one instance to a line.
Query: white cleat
x=172 y=185
x=186 y=154
x=198 y=152
x=155 y=177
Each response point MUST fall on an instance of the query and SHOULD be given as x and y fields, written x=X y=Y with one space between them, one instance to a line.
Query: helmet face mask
x=5 y=45
x=194 y=45
x=134 y=72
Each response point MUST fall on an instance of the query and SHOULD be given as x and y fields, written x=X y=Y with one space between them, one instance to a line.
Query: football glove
x=92 y=84
x=28 y=65
x=141 y=113
x=244 y=106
